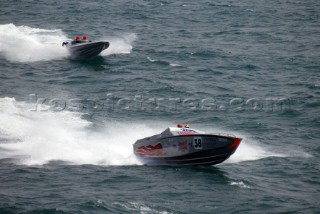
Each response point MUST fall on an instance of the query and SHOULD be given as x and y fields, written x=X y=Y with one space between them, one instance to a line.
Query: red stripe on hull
x=236 y=142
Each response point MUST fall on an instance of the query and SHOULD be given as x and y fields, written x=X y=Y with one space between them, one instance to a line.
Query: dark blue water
x=251 y=69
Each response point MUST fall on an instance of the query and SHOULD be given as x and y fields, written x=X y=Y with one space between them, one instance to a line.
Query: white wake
x=35 y=137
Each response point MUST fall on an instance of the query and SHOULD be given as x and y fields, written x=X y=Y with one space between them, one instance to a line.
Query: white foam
x=26 y=44
x=119 y=45
x=240 y=184
x=140 y=207
x=151 y=60
x=175 y=65
x=63 y=136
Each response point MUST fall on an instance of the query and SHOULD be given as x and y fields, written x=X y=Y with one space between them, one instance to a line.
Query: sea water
x=67 y=126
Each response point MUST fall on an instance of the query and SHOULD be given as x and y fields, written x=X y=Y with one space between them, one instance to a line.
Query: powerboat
x=85 y=49
x=185 y=146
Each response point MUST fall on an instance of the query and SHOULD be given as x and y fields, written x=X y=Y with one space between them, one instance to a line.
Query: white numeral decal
x=197 y=143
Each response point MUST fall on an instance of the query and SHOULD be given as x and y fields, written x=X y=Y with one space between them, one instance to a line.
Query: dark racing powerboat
x=185 y=146
x=84 y=48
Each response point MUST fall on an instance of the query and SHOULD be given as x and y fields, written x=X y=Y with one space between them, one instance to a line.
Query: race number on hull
x=197 y=143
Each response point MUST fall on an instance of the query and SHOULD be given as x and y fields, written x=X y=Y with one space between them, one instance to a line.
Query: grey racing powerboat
x=85 y=49
x=185 y=146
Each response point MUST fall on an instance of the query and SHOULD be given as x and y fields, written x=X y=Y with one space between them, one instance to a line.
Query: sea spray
x=40 y=137
x=26 y=44
x=120 y=44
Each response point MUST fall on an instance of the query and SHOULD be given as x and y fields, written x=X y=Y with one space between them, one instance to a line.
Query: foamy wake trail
x=27 y=44
x=35 y=137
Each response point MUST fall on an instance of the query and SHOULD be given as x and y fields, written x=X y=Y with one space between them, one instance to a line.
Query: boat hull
x=186 y=150
x=87 y=50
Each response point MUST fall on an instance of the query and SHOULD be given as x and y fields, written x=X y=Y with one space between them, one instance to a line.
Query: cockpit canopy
x=173 y=131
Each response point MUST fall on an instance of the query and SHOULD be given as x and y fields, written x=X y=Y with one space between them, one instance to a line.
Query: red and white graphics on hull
x=150 y=150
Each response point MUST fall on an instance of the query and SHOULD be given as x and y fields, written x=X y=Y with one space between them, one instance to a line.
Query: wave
x=26 y=44
x=163 y=62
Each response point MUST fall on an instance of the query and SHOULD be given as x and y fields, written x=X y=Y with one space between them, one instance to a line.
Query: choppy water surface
x=67 y=126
